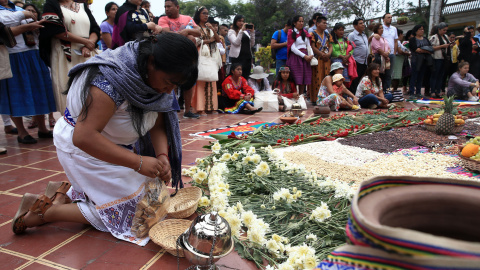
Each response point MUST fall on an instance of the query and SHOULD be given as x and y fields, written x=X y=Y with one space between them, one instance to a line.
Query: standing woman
x=242 y=40
x=451 y=64
x=298 y=59
x=107 y=26
x=421 y=50
x=29 y=91
x=441 y=46
x=132 y=23
x=69 y=38
x=205 y=97
x=340 y=49
x=323 y=50
x=381 y=49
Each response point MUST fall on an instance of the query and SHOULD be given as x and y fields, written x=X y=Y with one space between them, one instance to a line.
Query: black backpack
x=274 y=51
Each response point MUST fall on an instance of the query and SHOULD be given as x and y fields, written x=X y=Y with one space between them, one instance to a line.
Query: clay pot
x=288 y=120
x=322 y=110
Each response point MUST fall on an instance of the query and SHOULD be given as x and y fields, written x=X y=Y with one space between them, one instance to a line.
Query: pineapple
x=446 y=122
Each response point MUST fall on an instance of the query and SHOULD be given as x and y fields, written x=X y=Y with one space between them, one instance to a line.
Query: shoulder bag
x=207 y=65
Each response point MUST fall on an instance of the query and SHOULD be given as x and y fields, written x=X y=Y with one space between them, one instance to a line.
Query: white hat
x=335 y=66
x=258 y=73
x=337 y=77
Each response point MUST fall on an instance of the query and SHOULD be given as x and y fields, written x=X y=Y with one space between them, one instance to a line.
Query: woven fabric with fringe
x=376 y=246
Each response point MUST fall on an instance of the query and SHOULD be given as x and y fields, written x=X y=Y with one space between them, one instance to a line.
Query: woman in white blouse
x=298 y=59
x=242 y=39
x=258 y=80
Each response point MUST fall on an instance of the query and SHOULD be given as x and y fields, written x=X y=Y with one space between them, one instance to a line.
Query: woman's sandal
x=30 y=203
x=53 y=188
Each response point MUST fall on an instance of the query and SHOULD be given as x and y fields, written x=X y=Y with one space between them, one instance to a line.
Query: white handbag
x=314 y=61
x=5 y=69
x=207 y=65
x=266 y=99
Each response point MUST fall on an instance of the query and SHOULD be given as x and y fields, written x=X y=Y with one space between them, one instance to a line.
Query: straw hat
x=258 y=73
x=335 y=66
x=337 y=77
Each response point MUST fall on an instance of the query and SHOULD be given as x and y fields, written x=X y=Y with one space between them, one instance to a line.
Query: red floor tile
x=4 y=168
x=81 y=252
x=35 y=241
x=38 y=266
x=52 y=164
x=28 y=158
x=9 y=205
x=116 y=257
x=10 y=262
x=40 y=186
x=21 y=176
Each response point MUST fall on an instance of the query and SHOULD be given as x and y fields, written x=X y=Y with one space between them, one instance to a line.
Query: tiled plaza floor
x=28 y=168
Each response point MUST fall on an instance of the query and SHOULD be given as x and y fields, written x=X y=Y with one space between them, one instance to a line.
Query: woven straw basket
x=455 y=130
x=469 y=164
x=185 y=203
x=166 y=233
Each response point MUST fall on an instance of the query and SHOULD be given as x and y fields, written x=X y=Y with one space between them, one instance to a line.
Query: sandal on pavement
x=54 y=188
x=39 y=207
x=18 y=224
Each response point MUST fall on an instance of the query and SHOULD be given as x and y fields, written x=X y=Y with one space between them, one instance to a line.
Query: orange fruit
x=470 y=150
x=428 y=121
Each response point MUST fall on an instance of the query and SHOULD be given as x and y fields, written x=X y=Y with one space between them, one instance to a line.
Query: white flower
x=256 y=158
x=234 y=156
x=204 y=201
x=248 y=218
x=321 y=213
x=311 y=237
x=272 y=246
x=199 y=161
x=226 y=157
x=262 y=169
x=262 y=206
x=216 y=148
x=199 y=177
x=251 y=150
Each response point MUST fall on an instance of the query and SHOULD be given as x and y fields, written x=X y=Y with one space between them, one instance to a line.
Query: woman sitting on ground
x=369 y=90
x=113 y=100
x=285 y=85
x=342 y=91
x=237 y=95
x=328 y=97
x=258 y=80
x=462 y=84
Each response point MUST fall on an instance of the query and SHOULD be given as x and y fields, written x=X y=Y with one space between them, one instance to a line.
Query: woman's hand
x=247 y=97
x=89 y=44
x=209 y=26
x=151 y=25
x=295 y=95
x=158 y=29
x=244 y=27
x=166 y=172
x=151 y=167
x=308 y=58
x=86 y=52
x=29 y=15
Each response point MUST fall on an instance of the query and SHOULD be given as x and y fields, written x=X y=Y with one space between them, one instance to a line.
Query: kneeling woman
x=369 y=90
x=114 y=99
x=462 y=84
x=237 y=95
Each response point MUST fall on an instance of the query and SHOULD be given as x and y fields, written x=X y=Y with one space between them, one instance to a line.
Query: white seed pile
x=333 y=151
x=359 y=164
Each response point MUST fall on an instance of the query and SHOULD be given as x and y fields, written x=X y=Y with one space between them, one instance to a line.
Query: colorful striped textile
x=398 y=222
x=238 y=106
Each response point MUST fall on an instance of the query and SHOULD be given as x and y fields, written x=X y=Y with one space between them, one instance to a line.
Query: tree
x=221 y=9
x=38 y=3
x=338 y=10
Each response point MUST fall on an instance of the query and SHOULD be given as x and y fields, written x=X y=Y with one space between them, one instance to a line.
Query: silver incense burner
x=208 y=239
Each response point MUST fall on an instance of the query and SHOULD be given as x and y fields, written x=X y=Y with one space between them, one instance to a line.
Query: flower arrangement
x=402 y=19
x=278 y=211
x=264 y=54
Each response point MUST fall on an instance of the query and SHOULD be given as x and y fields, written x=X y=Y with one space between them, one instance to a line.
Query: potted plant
x=264 y=54
x=402 y=19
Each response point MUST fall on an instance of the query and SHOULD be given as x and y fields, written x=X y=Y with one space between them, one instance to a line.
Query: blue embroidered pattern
x=68 y=118
x=118 y=218
x=104 y=85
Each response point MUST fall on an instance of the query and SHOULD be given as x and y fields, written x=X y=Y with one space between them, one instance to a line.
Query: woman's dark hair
x=234 y=66
x=407 y=35
x=371 y=67
x=235 y=20
x=302 y=32
x=416 y=28
x=451 y=33
x=462 y=64
x=334 y=34
x=39 y=14
x=196 y=17
x=399 y=32
x=311 y=23
x=108 y=7
x=168 y=52
x=376 y=27
x=279 y=76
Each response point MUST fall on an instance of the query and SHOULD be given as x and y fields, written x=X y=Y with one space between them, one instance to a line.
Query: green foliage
x=38 y=3
x=264 y=54
x=221 y=9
